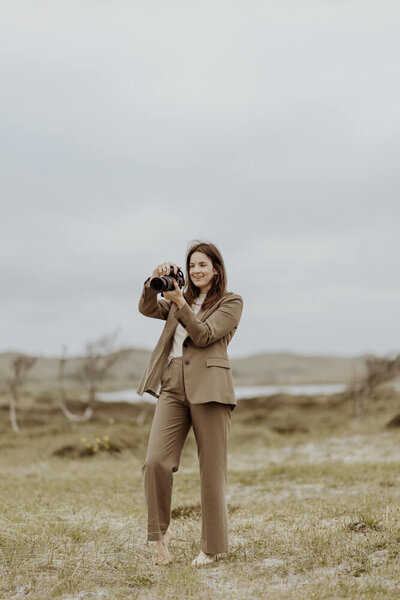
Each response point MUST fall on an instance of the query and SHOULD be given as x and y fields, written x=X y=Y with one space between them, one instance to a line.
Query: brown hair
x=218 y=285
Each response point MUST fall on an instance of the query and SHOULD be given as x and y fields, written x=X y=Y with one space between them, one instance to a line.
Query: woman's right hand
x=164 y=269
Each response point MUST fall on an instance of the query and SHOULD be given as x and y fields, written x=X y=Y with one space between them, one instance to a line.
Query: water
x=242 y=392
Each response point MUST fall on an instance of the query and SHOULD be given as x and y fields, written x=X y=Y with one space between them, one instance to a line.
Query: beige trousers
x=173 y=417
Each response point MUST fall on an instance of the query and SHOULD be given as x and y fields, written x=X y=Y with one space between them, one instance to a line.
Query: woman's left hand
x=175 y=296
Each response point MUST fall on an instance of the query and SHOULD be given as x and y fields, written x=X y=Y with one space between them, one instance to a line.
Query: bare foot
x=160 y=548
x=161 y=554
x=204 y=559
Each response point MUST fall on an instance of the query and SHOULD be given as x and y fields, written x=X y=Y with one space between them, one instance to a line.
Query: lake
x=242 y=392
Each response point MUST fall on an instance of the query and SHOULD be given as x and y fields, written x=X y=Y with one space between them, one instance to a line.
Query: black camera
x=166 y=283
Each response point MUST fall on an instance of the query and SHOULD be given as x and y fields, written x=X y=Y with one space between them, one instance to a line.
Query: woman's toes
x=204 y=559
x=162 y=561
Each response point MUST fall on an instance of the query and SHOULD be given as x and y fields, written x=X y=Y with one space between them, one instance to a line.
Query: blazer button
x=186 y=362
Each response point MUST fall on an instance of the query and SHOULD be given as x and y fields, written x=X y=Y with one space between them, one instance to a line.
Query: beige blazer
x=207 y=370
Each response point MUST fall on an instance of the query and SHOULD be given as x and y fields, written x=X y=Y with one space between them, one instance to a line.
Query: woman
x=189 y=372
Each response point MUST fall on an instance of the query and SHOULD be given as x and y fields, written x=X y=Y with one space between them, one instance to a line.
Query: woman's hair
x=218 y=285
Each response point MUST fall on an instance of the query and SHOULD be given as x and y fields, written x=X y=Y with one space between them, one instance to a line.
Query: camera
x=165 y=283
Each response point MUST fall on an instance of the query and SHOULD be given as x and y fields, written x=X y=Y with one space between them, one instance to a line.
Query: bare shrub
x=20 y=367
x=99 y=358
x=378 y=370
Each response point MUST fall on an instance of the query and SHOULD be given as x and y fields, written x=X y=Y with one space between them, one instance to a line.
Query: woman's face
x=201 y=271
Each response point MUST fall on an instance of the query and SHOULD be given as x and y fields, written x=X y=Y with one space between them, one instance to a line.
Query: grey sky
x=271 y=129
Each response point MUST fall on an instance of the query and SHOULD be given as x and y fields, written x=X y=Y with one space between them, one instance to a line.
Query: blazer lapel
x=204 y=313
x=172 y=323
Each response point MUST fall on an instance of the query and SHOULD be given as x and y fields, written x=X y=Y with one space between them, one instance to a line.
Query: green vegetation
x=312 y=497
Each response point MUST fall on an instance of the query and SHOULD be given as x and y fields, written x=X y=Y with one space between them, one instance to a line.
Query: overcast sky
x=272 y=129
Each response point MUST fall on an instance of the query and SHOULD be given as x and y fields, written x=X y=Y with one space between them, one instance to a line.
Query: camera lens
x=159 y=284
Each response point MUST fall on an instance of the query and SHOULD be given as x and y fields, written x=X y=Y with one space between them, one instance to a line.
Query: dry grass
x=313 y=509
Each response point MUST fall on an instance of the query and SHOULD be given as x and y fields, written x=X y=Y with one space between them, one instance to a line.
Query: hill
x=258 y=369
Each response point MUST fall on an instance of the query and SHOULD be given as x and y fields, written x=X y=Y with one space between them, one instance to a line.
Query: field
x=313 y=499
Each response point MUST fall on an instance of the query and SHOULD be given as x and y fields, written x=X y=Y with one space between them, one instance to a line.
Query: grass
x=312 y=500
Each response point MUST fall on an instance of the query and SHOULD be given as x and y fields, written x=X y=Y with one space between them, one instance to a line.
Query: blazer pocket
x=216 y=361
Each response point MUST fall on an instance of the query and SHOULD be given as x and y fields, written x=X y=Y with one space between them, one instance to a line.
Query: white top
x=181 y=333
